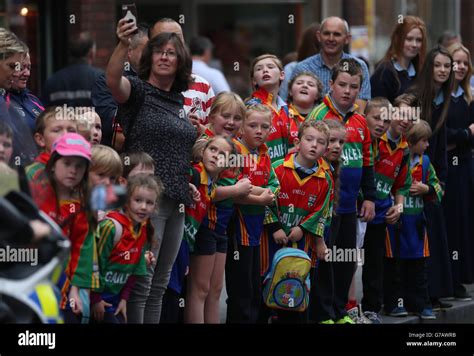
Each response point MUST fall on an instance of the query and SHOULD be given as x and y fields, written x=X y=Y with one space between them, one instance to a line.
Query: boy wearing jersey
x=392 y=178
x=356 y=171
x=303 y=201
x=407 y=244
x=243 y=261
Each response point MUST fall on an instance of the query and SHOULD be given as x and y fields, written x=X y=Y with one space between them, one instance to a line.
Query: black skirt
x=439 y=264
x=458 y=215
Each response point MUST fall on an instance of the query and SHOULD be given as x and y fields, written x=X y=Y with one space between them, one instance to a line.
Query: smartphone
x=129 y=12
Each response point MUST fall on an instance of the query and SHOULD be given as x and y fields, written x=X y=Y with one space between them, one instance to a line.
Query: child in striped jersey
x=123 y=237
x=357 y=171
x=266 y=75
x=392 y=179
x=243 y=265
x=226 y=117
x=67 y=172
x=50 y=125
x=304 y=201
x=202 y=242
x=407 y=243
x=377 y=114
x=304 y=92
x=322 y=291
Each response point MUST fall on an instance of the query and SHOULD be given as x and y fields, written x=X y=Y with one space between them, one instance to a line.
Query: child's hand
x=267 y=198
x=393 y=214
x=194 y=192
x=418 y=188
x=321 y=248
x=280 y=237
x=367 y=211
x=296 y=233
x=149 y=258
x=75 y=301
x=196 y=123
x=243 y=187
x=98 y=310
x=122 y=308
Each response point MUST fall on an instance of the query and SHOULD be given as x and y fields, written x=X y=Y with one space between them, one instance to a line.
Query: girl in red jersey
x=304 y=93
x=67 y=170
x=266 y=75
x=226 y=117
x=123 y=236
x=203 y=243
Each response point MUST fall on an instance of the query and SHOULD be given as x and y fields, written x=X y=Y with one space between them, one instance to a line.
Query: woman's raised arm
x=119 y=85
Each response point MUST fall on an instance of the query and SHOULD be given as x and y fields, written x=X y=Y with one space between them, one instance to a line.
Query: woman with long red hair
x=402 y=61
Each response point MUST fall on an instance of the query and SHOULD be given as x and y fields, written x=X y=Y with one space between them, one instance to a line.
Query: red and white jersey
x=200 y=96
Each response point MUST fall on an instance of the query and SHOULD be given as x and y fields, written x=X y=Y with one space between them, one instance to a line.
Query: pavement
x=460 y=313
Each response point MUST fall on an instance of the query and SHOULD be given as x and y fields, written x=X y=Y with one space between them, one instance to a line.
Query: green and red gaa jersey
x=119 y=259
x=295 y=119
x=391 y=175
x=219 y=213
x=38 y=178
x=356 y=154
x=301 y=202
x=196 y=212
x=258 y=169
x=81 y=266
x=410 y=239
x=278 y=139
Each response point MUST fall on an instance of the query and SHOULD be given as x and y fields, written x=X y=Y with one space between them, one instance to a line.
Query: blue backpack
x=287 y=284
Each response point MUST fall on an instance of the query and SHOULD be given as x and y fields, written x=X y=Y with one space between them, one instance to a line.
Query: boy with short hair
x=51 y=124
x=243 y=261
x=377 y=114
x=106 y=166
x=392 y=178
x=356 y=171
x=407 y=243
x=304 y=201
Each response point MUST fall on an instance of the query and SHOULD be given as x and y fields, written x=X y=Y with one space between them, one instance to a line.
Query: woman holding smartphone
x=157 y=125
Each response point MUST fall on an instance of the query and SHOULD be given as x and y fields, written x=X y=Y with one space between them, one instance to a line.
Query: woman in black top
x=456 y=202
x=154 y=121
x=402 y=61
x=433 y=87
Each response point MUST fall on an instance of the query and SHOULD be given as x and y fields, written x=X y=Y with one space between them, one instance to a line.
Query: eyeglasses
x=169 y=54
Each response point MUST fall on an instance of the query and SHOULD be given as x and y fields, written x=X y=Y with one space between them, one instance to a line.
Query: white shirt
x=214 y=76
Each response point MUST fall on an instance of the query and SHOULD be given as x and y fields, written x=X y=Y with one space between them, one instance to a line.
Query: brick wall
x=99 y=18
x=467 y=19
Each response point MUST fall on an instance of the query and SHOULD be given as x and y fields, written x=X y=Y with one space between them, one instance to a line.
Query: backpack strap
x=118 y=230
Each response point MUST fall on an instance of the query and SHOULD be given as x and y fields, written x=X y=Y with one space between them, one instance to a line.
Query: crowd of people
x=321 y=157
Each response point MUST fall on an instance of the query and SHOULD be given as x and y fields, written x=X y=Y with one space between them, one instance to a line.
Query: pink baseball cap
x=72 y=144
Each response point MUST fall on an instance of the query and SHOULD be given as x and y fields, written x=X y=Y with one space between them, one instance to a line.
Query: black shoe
x=460 y=293
x=440 y=305
x=462 y=296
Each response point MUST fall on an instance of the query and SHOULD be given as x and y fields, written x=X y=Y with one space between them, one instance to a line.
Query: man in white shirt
x=201 y=50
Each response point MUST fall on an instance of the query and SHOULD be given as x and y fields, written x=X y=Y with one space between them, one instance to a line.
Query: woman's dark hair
x=309 y=45
x=424 y=88
x=185 y=64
